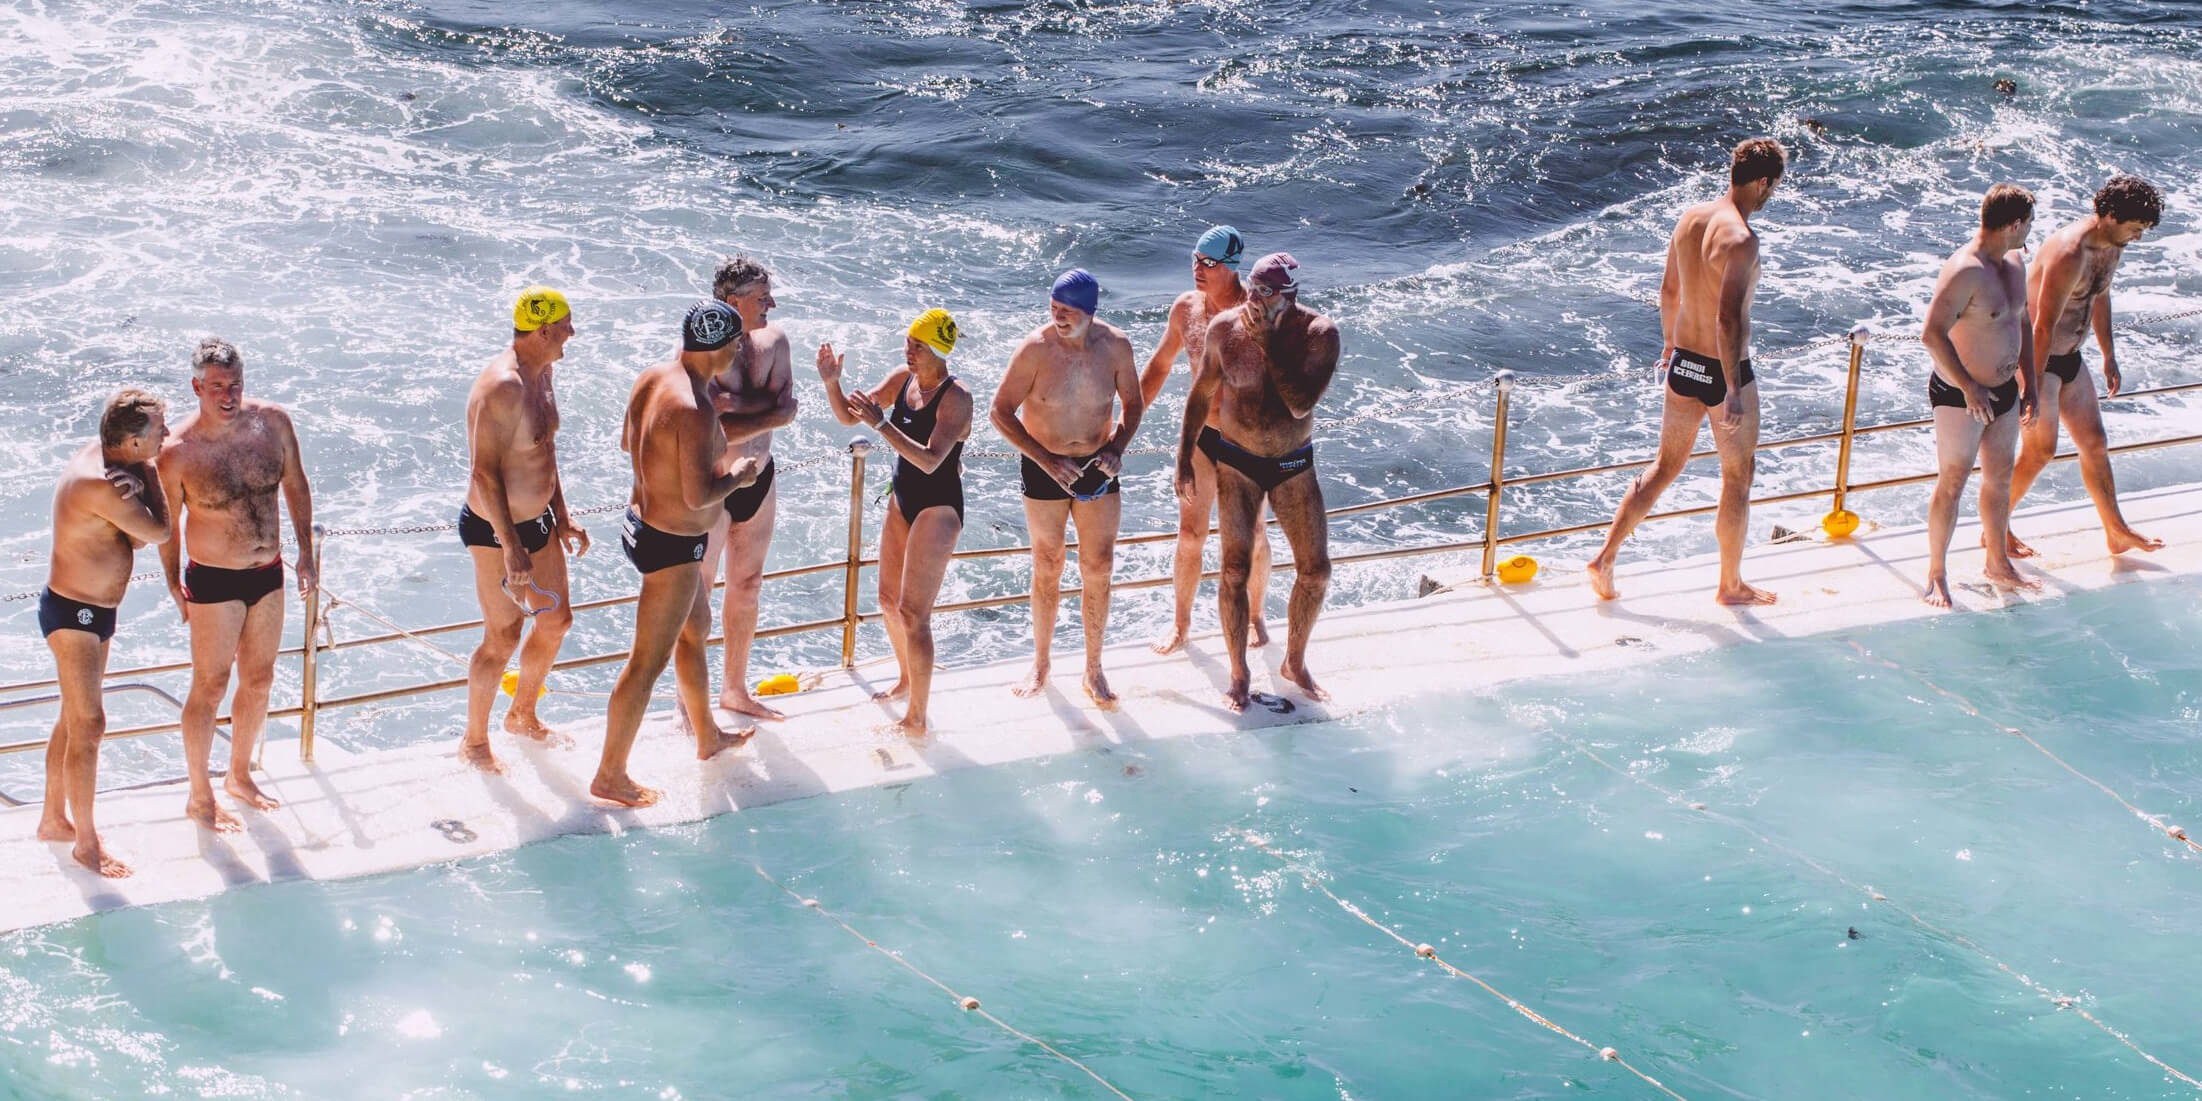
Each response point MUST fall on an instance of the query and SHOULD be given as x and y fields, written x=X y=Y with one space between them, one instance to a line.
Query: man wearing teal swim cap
x=1057 y=404
x=1216 y=291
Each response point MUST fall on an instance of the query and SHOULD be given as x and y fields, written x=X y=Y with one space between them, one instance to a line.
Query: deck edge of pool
x=361 y=814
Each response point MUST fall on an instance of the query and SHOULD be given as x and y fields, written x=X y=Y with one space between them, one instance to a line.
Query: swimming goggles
x=527 y=609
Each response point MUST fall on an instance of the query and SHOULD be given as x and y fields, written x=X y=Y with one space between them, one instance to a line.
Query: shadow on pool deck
x=351 y=815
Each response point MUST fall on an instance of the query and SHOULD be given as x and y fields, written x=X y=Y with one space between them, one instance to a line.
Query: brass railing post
x=858 y=448
x=1858 y=335
x=1505 y=382
x=309 y=671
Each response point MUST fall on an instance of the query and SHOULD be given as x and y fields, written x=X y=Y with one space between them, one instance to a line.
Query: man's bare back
x=674 y=445
x=1703 y=249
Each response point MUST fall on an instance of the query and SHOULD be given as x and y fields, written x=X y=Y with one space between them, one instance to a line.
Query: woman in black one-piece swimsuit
x=928 y=422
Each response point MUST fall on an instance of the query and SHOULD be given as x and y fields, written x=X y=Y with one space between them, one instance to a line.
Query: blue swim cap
x=709 y=326
x=1077 y=290
x=1221 y=244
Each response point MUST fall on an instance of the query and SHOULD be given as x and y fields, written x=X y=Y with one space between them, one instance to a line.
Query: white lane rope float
x=2176 y=833
x=1428 y=952
x=963 y=1001
x=2061 y=1001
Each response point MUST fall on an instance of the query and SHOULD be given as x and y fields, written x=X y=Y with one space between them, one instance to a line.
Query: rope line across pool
x=1427 y=952
x=2061 y=1001
x=2176 y=833
x=963 y=1001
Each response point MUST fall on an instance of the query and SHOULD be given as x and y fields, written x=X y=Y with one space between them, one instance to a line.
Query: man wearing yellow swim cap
x=537 y=307
x=514 y=523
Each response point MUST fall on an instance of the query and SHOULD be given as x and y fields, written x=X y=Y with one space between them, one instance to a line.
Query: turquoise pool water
x=1111 y=904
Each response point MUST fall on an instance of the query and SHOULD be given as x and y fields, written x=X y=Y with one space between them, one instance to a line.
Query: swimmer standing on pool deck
x=760 y=396
x=2068 y=296
x=108 y=503
x=682 y=476
x=1705 y=323
x=223 y=468
x=1265 y=367
x=1057 y=405
x=1983 y=371
x=929 y=420
x=1216 y=291
x=514 y=523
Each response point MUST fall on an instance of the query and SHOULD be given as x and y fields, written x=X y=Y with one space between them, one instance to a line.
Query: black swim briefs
x=1267 y=471
x=534 y=534
x=1091 y=483
x=60 y=613
x=205 y=584
x=743 y=503
x=652 y=550
x=2000 y=398
x=1694 y=376
x=2065 y=367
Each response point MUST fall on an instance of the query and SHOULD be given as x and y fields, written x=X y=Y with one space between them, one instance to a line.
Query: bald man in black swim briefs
x=1263 y=369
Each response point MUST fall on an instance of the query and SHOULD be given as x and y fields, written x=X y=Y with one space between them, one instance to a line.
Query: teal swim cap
x=1221 y=244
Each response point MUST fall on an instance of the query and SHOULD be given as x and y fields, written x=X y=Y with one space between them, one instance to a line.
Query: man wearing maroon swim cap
x=1264 y=367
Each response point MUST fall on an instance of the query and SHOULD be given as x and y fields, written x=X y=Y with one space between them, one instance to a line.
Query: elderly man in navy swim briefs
x=514 y=523
x=1058 y=405
x=225 y=468
x=108 y=503
x=677 y=446
x=1264 y=368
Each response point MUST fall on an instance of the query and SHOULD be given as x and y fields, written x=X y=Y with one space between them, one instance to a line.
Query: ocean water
x=353 y=191
x=1116 y=906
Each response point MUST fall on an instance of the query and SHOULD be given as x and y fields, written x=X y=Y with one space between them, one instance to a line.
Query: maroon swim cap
x=1273 y=274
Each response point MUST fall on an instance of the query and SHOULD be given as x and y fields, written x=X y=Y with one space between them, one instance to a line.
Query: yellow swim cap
x=936 y=330
x=539 y=306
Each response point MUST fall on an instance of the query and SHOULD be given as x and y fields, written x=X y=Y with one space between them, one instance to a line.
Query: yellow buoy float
x=1839 y=524
x=1518 y=569
x=511 y=683
x=779 y=684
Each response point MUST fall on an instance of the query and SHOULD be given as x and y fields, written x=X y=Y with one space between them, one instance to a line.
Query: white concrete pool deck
x=359 y=814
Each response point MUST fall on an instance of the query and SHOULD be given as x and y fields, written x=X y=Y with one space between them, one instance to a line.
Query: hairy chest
x=235 y=472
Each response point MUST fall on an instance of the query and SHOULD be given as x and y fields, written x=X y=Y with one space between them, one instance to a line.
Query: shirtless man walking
x=760 y=390
x=1705 y=322
x=682 y=475
x=1264 y=367
x=109 y=503
x=1983 y=352
x=1216 y=291
x=2069 y=295
x=224 y=468
x=1057 y=404
x=515 y=525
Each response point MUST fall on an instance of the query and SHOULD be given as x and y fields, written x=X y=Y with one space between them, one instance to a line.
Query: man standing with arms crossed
x=1057 y=404
x=1263 y=369
x=224 y=467
x=514 y=523
x=1705 y=323
x=1983 y=371
x=2068 y=296
x=1216 y=291
x=674 y=441
x=108 y=503
x=759 y=389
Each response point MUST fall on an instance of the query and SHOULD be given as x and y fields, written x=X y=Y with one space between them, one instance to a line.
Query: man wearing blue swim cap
x=682 y=475
x=1216 y=292
x=1266 y=366
x=1057 y=405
